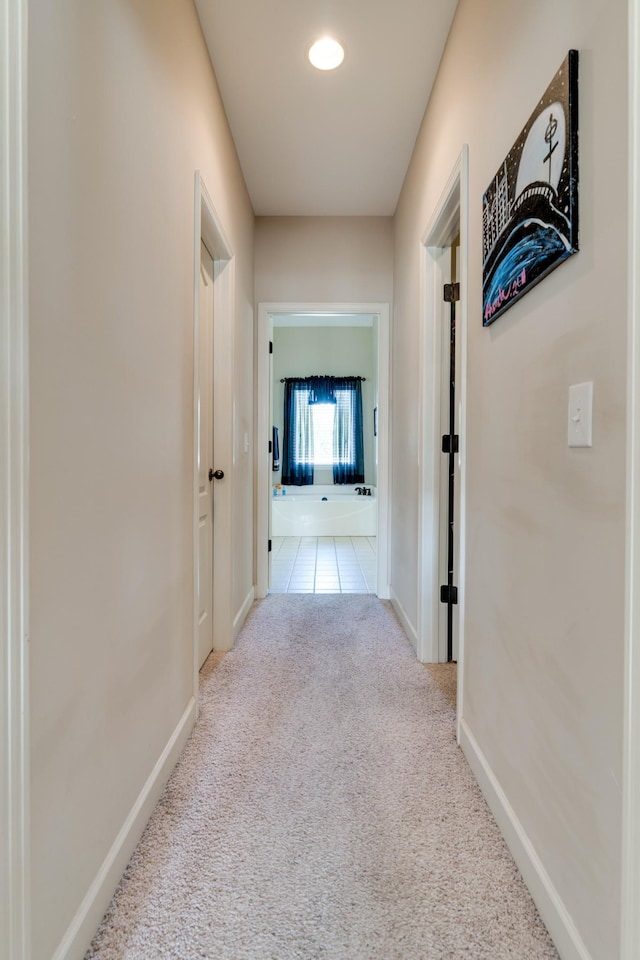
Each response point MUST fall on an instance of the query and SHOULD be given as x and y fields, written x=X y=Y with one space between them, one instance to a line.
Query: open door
x=205 y=454
x=450 y=446
x=213 y=287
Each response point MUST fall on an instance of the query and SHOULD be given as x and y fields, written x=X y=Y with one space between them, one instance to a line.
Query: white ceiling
x=325 y=144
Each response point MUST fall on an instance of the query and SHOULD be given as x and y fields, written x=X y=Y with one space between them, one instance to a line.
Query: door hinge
x=270 y=346
x=451 y=292
x=450 y=443
x=448 y=594
x=269 y=550
x=269 y=446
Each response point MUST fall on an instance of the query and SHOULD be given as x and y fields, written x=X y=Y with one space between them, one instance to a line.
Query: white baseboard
x=408 y=627
x=555 y=915
x=241 y=615
x=76 y=940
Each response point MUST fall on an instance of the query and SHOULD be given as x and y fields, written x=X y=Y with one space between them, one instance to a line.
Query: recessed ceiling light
x=326 y=54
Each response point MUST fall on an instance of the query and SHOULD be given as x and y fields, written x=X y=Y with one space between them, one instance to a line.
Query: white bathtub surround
x=324 y=510
x=323 y=565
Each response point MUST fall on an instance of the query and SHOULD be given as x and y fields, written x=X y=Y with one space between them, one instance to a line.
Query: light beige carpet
x=445 y=677
x=322 y=811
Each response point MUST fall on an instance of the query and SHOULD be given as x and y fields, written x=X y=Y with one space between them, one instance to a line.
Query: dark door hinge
x=451 y=292
x=448 y=594
x=270 y=346
x=269 y=551
x=270 y=447
x=450 y=443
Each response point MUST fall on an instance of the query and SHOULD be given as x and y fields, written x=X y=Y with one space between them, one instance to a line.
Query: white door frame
x=630 y=918
x=263 y=431
x=208 y=229
x=205 y=456
x=441 y=257
x=14 y=445
x=450 y=214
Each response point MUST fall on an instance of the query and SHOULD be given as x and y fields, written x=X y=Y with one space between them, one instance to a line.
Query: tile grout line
x=344 y=558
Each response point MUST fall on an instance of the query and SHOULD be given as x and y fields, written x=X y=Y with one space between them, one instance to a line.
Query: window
x=323 y=416
x=323 y=427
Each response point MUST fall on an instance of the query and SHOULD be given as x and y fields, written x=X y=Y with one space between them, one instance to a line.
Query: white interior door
x=205 y=458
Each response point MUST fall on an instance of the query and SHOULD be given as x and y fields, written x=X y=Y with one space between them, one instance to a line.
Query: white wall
x=14 y=454
x=336 y=351
x=545 y=533
x=123 y=109
x=324 y=259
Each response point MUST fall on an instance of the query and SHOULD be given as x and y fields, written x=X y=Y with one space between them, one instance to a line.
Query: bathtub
x=303 y=512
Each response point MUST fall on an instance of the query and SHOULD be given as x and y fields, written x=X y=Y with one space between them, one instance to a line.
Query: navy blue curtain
x=300 y=395
x=297 y=434
x=348 y=444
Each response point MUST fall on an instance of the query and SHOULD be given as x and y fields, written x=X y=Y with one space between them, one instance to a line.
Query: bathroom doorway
x=322 y=536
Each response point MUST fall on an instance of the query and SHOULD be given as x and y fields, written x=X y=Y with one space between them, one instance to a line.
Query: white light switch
x=580 y=415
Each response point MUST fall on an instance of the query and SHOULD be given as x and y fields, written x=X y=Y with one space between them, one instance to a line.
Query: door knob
x=216 y=474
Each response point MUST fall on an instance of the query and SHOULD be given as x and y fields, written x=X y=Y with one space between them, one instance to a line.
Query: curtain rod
x=320 y=376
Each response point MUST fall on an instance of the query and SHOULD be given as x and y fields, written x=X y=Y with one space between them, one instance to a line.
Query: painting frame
x=530 y=214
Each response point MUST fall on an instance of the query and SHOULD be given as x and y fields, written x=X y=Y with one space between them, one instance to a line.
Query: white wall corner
x=409 y=628
x=14 y=740
x=78 y=936
x=243 y=612
x=555 y=915
x=630 y=893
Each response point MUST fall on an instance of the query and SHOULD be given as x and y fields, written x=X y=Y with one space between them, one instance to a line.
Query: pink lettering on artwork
x=504 y=295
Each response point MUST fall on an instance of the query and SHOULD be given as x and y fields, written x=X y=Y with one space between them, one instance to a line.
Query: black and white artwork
x=530 y=209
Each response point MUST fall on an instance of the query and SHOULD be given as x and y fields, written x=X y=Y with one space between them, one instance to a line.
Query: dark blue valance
x=321 y=390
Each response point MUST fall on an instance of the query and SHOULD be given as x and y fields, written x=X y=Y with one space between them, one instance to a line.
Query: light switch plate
x=580 y=421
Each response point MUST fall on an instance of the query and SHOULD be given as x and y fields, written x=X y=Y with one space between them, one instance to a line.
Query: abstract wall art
x=530 y=209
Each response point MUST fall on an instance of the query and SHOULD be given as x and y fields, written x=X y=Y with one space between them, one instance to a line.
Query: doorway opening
x=212 y=437
x=322 y=526
x=450 y=442
x=442 y=478
x=204 y=571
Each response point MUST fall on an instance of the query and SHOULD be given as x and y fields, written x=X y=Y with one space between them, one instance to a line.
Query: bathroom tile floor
x=323 y=565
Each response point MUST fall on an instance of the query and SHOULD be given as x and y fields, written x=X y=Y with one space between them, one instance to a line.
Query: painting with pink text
x=530 y=208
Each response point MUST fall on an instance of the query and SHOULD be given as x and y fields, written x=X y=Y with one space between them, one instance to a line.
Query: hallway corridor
x=322 y=809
